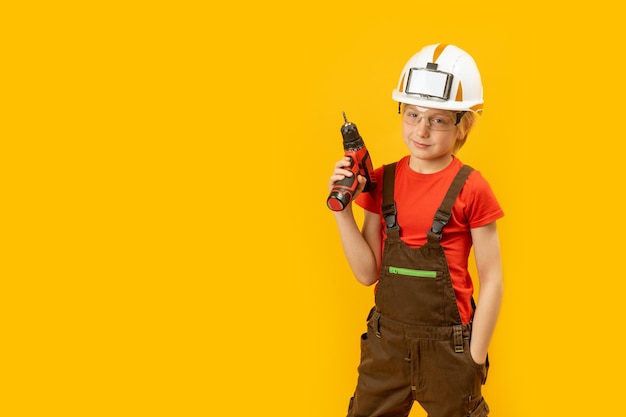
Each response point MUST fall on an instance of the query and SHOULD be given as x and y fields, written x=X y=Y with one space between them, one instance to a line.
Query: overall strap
x=389 y=205
x=445 y=210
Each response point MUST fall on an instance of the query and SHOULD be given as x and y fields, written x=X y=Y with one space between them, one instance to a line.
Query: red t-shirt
x=418 y=196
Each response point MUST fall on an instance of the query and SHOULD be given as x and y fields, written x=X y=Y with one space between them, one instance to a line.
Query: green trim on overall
x=412 y=272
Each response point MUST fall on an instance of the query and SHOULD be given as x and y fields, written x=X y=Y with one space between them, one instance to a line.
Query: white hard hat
x=441 y=76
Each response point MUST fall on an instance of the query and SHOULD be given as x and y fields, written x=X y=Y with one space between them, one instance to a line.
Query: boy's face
x=430 y=134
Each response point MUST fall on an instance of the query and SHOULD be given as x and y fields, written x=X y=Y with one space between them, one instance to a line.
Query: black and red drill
x=360 y=164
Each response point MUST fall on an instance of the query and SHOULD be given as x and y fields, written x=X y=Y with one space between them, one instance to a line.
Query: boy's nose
x=422 y=128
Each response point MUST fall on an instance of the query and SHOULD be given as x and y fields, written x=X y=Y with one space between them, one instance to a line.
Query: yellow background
x=167 y=250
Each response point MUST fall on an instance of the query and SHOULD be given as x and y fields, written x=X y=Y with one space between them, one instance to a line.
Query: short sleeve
x=482 y=205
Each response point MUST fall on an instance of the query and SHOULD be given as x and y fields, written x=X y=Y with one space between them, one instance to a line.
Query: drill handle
x=366 y=169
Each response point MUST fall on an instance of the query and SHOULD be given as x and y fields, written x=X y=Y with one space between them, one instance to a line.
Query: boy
x=420 y=223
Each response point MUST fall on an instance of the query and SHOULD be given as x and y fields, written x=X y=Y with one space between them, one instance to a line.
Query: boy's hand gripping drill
x=360 y=164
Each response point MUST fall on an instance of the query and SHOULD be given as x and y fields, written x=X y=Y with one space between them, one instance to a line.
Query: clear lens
x=438 y=121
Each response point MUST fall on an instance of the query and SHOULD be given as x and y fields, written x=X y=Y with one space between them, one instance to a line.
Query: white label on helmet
x=429 y=83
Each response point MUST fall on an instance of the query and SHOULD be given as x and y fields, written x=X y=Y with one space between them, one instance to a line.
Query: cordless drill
x=360 y=164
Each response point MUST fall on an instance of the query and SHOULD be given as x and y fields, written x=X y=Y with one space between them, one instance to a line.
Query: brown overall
x=416 y=347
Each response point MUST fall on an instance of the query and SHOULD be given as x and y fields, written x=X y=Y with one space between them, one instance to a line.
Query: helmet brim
x=435 y=103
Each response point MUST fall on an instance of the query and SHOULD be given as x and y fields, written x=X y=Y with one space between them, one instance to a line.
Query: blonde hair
x=464 y=127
